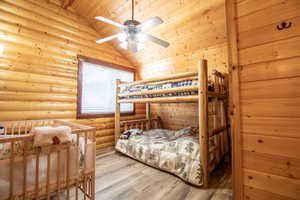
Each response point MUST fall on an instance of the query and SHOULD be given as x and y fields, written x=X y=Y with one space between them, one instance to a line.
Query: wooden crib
x=40 y=173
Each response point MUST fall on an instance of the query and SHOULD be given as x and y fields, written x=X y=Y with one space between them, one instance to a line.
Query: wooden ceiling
x=66 y=3
x=189 y=25
x=62 y=3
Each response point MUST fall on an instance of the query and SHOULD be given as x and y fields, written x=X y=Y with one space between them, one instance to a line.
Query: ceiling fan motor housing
x=131 y=22
x=132 y=30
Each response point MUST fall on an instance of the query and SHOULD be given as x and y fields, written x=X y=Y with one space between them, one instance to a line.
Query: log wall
x=38 y=71
x=268 y=80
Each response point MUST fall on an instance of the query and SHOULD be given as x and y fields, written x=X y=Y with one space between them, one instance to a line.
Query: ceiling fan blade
x=110 y=21
x=157 y=40
x=107 y=38
x=154 y=21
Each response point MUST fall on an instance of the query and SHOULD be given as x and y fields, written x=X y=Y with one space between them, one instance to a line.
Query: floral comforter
x=162 y=149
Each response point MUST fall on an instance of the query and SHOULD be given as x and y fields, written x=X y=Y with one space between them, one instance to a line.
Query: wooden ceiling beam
x=67 y=3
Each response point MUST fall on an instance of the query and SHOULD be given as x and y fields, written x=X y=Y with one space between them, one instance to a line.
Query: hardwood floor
x=121 y=178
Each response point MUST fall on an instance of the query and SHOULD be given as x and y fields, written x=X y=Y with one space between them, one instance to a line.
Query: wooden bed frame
x=19 y=131
x=220 y=82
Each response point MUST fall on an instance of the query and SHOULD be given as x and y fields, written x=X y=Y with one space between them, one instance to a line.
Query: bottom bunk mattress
x=176 y=152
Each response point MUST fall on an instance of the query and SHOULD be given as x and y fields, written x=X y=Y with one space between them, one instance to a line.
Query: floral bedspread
x=163 y=149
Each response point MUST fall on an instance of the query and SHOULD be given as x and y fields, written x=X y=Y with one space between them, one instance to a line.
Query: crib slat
x=37 y=175
x=19 y=129
x=48 y=175
x=85 y=175
x=93 y=185
x=84 y=186
x=25 y=170
x=25 y=127
x=85 y=138
x=219 y=84
x=85 y=153
x=77 y=165
x=90 y=185
x=222 y=85
x=58 y=175
x=12 y=157
x=31 y=125
x=13 y=129
x=68 y=172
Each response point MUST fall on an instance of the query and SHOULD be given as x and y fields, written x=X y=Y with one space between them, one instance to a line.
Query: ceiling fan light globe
x=122 y=36
x=141 y=37
x=140 y=46
x=124 y=45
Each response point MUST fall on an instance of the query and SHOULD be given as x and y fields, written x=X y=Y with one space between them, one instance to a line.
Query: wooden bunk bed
x=189 y=94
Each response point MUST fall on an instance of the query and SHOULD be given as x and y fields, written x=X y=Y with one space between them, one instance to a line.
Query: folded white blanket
x=46 y=135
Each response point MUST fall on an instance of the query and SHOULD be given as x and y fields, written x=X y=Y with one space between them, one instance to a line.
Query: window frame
x=79 y=87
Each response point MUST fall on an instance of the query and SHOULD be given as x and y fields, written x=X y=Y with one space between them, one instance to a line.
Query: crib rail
x=43 y=172
x=24 y=127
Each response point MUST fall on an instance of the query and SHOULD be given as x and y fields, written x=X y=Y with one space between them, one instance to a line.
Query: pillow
x=187 y=131
x=126 y=134
x=47 y=135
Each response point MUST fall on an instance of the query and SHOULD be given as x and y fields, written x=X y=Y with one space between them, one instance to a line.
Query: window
x=97 y=88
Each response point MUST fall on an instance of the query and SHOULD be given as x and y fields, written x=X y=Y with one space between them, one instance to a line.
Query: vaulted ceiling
x=188 y=24
x=62 y=3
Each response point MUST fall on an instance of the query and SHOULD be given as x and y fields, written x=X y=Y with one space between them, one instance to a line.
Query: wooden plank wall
x=187 y=47
x=269 y=64
x=38 y=71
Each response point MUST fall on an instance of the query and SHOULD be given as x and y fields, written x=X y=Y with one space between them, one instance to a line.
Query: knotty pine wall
x=269 y=87
x=200 y=35
x=38 y=71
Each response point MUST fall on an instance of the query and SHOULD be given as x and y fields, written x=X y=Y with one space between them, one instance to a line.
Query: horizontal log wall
x=38 y=71
x=269 y=98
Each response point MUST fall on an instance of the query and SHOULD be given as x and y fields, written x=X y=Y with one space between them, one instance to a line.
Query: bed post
x=203 y=118
x=148 y=116
x=117 y=112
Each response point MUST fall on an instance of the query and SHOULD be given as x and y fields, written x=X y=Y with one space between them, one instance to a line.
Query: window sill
x=101 y=115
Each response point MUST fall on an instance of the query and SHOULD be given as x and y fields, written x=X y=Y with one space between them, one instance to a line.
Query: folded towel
x=47 y=135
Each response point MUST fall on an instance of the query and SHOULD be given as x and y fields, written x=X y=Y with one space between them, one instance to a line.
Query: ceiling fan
x=132 y=33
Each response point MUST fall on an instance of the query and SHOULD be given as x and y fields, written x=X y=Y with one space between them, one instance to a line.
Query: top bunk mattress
x=163 y=86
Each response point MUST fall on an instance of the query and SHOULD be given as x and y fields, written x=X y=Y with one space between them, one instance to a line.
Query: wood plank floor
x=121 y=178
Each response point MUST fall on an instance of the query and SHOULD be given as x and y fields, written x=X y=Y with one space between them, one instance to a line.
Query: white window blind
x=99 y=88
